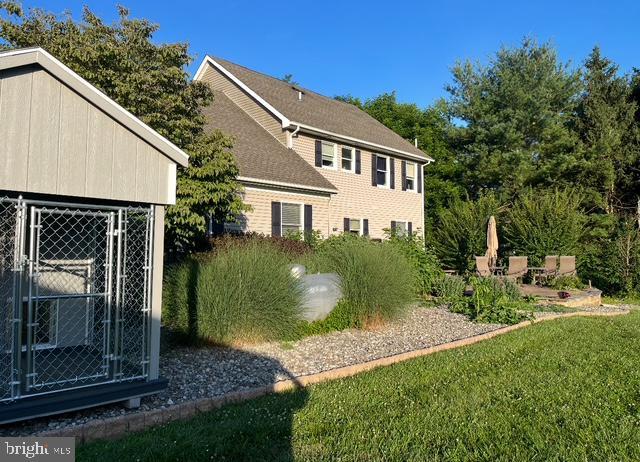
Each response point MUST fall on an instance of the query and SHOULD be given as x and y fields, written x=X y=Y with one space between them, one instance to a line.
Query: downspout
x=291 y=135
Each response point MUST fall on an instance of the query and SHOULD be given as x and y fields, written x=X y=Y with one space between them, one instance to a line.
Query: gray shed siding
x=53 y=141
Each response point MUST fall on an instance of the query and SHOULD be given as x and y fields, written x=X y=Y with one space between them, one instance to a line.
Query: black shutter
x=392 y=173
x=358 y=162
x=374 y=182
x=409 y=228
x=276 y=219
x=308 y=218
x=403 y=174
x=318 y=153
x=393 y=227
x=346 y=225
x=419 y=179
x=365 y=227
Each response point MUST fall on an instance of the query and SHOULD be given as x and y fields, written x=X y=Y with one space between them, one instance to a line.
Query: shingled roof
x=319 y=111
x=258 y=154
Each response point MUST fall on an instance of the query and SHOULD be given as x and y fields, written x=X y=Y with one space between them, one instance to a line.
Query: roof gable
x=39 y=56
x=312 y=110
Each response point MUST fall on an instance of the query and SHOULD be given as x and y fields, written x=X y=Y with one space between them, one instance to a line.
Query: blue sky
x=368 y=47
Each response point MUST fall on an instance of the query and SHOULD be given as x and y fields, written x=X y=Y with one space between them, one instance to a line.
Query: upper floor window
x=411 y=177
x=382 y=171
x=328 y=155
x=348 y=161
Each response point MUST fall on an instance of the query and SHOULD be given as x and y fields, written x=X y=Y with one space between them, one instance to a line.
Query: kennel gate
x=75 y=288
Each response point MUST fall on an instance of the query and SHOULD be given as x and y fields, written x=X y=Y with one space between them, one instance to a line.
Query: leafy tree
x=545 y=223
x=606 y=119
x=516 y=117
x=149 y=80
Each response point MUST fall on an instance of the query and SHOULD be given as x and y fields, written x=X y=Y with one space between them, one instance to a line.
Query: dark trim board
x=75 y=399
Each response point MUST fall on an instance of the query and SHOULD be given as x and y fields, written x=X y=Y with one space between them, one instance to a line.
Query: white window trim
x=406 y=226
x=361 y=220
x=353 y=159
x=335 y=155
x=387 y=184
x=415 y=177
x=301 y=207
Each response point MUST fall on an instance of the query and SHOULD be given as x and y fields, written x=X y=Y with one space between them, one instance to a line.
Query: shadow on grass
x=261 y=429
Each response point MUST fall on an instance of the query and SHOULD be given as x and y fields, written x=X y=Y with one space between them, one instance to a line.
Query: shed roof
x=27 y=56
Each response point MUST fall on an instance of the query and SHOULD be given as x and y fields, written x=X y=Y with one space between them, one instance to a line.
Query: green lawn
x=561 y=390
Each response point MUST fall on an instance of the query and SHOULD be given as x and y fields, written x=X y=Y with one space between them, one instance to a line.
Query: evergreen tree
x=606 y=119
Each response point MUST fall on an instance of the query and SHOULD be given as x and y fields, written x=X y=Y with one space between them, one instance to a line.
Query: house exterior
x=309 y=162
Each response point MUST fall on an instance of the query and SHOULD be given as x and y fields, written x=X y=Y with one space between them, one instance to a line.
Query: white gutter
x=281 y=184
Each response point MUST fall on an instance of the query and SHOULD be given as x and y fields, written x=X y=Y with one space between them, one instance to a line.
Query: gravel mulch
x=206 y=372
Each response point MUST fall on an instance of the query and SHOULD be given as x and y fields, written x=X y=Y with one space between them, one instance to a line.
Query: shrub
x=545 y=223
x=566 y=282
x=494 y=300
x=462 y=232
x=450 y=288
x=240 y=293
x=426 y=267
x=377 y=281
x=291 y=246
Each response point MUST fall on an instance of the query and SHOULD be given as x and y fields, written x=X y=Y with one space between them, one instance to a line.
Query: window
x=348 y=162
x=291 y=218
x=410 y=180
x=382 y=171
x=355 y=226
x=328 y=155
x=401 y=228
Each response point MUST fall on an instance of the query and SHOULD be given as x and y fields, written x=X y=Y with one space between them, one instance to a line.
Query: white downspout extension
x=291 y=135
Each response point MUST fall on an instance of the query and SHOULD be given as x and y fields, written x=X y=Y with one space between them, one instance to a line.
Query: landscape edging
x=116 y=427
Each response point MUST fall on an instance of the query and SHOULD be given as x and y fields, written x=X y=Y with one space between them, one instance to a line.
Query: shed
x=83 y=185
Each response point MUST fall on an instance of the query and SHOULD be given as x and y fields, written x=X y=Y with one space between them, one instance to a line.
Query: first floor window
x=401 y=228
x=328 y=155
x=291 y=218
x=410 y=180
x=347 y=159
x=355 y=226
x=382 y=171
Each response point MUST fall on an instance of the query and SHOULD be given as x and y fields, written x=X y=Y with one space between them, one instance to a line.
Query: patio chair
x=548 y=271
x=482 y=267
x=518 y=267
x=567 y=266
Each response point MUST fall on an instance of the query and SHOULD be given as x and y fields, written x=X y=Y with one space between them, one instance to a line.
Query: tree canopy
x=149 y=80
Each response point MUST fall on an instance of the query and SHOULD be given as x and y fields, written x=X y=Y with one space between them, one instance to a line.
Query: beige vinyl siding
x=358 y=198
x=222 y=83
x=53 y=141
x=258 y=220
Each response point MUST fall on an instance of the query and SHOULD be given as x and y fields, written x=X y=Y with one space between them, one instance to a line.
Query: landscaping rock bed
x=195 y=373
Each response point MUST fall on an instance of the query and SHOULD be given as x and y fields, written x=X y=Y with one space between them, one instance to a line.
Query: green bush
x=461 y=233
x=545 y=223
x=494 y=300
x=450 y=288
x=377 y=280
x=426 y=267
x=240 y=293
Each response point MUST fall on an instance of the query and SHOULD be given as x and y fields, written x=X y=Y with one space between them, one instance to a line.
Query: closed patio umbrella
x=492 y=242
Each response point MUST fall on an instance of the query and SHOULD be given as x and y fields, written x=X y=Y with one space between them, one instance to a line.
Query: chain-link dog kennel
x=82 y=189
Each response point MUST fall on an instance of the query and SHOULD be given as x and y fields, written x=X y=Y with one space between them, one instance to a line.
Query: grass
x=561 y=390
